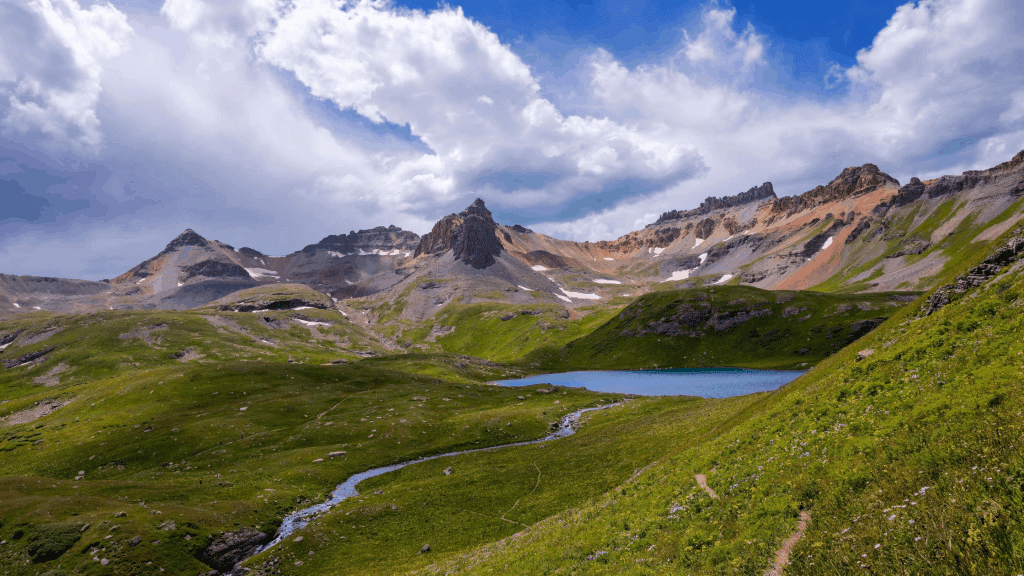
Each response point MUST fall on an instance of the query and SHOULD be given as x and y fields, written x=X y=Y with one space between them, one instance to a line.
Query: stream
x=347 y=489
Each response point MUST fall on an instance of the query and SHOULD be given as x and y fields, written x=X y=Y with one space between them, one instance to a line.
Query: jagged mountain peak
x=477 y=208
x=187 y=238
x=470 y=233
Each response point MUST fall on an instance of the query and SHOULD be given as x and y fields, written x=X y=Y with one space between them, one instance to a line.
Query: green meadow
x=142 y=439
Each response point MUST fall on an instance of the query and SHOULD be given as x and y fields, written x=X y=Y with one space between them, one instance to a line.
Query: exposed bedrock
x=382 y=238
x=470 y=234
x=213 y=269
x=233 y=547
x=712 y=203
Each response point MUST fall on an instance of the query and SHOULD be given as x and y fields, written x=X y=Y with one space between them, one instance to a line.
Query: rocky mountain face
x=860 y=232
x=754 y=194
x=852 y=182
x=382 y=239
x=471 y=234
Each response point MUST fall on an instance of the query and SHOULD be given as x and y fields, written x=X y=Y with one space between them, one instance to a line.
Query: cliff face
x=853 y=181
x=712 y=203
x=471 y=234
x=381 y=238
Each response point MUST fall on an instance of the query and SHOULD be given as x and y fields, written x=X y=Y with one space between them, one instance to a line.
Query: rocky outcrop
x=852 y=182
x=474 y=241
x=640 y=239
x=24 y=358
x=470 y=234
x=233 y=547
x=712 y=203
x=381 y=238
x=439 y=239
x=989 y=267
x=266 y=304
x=187 y=238
x=213 y=269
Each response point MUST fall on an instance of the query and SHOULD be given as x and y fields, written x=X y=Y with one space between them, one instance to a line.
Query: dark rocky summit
x=187 y=238
x=474 y=241
x=471 y=234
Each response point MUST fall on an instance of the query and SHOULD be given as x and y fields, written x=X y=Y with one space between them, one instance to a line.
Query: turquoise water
x=704 y=382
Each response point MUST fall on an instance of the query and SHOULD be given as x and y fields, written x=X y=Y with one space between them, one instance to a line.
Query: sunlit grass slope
x=723 y=326
x=905 y=449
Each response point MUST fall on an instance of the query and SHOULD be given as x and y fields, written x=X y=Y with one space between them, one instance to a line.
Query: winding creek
x=347 y=489
x=706 y=382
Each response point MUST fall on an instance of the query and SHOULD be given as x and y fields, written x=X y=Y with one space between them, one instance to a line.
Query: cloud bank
x=274 y=123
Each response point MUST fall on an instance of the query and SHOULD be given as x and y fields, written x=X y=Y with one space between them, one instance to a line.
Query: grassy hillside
x=149 y=439
x=904 y=450
x=723 y=326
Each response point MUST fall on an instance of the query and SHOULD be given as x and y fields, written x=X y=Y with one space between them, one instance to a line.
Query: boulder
x=233 y=547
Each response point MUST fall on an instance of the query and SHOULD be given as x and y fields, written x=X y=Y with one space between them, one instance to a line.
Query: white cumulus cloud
x=51 y=65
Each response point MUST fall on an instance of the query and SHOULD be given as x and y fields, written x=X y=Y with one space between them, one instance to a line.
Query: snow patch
x=140 y=280
x=37 y=307
x=678 y=275
x=605 y=281
x=563 y=298
x=2 y=346
x=703 y=257
x=257 y=273
x=539 y=268
x=335 y=254
x=180 y=284
x=303 y=308
x=659 y=250
x=724 y=279
x=311 y=323
x=827 y=243
x=349 y=282
x=580 y=295
x=16 y=305
x=698 y=242
x=612 y=259
x=407 y=254
x=343 y=313
x=525 y=288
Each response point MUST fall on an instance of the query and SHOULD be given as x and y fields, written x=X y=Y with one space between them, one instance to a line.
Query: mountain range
x=861 y=232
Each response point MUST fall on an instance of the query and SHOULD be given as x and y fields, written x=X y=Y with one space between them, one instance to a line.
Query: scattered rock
x=135 y=541
x=297 y=539
x=233 y=547
x=104 y=562
x=448 y=471
x=425 y=549
x=318 y=460
x=168 y=525
x=865 y=353
x=337 y=454
x=121 y=514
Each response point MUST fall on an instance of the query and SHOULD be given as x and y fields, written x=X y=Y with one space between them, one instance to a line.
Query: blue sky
x=272 y=125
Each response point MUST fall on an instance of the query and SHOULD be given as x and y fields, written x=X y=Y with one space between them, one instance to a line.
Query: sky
x=271 y=124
